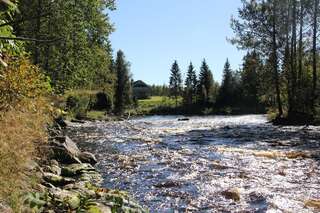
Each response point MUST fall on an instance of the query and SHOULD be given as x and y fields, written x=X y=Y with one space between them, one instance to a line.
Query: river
x=207 y=164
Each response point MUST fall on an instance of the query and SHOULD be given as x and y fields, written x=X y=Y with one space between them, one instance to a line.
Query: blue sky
x=154 y=33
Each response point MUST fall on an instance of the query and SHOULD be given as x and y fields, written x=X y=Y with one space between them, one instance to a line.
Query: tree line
x=284 y=34
x=239 y=90
x=69 y=42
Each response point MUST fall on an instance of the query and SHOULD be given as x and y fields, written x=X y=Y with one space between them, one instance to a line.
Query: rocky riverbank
x=70 y=183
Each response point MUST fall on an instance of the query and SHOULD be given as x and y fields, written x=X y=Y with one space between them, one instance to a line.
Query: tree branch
x=23 y=20
x=30 y=39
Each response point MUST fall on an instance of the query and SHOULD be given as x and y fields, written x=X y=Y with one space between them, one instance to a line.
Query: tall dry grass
x=24 y=114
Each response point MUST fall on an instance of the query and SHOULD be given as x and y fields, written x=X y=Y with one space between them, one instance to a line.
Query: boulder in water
x=168 y=184
x=232 y=194
x=87 y=157
x=183 y=119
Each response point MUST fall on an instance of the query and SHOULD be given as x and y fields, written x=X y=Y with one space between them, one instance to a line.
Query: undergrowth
x=24 y=114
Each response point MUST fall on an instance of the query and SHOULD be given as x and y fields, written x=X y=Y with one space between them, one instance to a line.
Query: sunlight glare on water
x=208 y=164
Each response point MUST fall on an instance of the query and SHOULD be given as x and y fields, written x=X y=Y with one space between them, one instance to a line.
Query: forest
x=57 y=63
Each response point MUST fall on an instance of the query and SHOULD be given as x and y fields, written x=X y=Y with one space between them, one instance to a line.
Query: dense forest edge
x=57 y=62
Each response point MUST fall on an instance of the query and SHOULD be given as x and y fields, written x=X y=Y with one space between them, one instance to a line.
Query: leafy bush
x=78 y=105
x=19 y=83
x=102 y=102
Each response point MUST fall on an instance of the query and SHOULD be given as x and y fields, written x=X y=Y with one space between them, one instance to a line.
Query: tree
x=175 y=82
x=250 y=81
x=191 y=84
x=226 y=93
x=259 y=29
x=79 y=55
x=123 y=84
x=206 y=84
x=314 y=54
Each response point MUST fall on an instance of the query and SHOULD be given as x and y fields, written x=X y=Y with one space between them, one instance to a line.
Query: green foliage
x=36 y=201
x=175 y=84
x=77 y=53
x=21 y=81
x=103 y=102
x=8 y=47
x=157 y=90
x=227 y=92
x=78 y=105
x=123 y=92
x=251 y=85
x=206 y=88
x=279 y=33
x=191 y=85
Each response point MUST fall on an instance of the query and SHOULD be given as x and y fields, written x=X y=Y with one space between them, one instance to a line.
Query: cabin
x=141 y=90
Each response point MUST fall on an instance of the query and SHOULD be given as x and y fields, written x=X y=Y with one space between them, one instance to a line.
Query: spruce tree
x=175 y=82
x=191 y=84
x=226 y=91
x=250 y=80
x=206 y=84
x=123 y=84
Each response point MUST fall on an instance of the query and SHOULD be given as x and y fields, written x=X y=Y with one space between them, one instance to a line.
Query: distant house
x=141 y=90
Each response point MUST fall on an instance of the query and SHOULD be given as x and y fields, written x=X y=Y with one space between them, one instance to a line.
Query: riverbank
x=67 y=181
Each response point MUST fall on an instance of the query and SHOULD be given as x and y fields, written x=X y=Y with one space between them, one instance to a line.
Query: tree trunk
x=300 y=43
x=293 y=62
x=314 y=54
x=38 y=28
x=275 y=61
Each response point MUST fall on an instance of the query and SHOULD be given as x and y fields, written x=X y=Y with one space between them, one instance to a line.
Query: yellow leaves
x=20 y=81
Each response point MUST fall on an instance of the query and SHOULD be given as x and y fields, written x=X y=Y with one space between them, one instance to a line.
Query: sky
x=154 y=33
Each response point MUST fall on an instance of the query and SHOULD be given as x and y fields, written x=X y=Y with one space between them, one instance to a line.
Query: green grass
x=156 y=101
x=147 y=105
x=79 y=92
x=96 y=115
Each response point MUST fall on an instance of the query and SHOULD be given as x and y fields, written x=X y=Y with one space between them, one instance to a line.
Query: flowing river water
x=208 y=164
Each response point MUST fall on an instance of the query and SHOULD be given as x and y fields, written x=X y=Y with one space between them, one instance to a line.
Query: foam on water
x=188 y=165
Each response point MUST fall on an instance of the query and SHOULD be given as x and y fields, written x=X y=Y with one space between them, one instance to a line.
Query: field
x=155 y=103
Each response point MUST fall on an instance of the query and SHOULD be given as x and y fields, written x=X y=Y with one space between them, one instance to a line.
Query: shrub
x=102 y=102
x=23 y=118
x=78 y=105
x=19 y=82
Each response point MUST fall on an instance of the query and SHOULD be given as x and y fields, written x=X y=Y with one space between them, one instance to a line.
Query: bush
x=19 y=82
x=23 y=119
x=102 y=102
x=78 y=105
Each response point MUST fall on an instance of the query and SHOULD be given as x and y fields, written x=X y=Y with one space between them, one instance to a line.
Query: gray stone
x=87 y=157
x=65 y=150
x=76 y=169
x=57 y=180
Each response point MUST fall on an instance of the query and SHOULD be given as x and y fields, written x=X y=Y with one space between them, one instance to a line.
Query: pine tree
x=226 y=92
x=175 y=82
x=250 y=80
x=191 y=84
x=123 y=84
x=206 y=84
